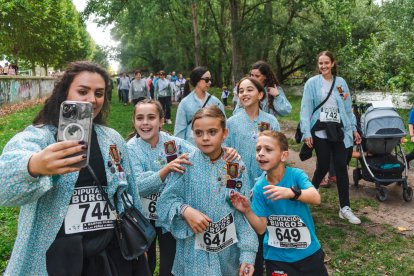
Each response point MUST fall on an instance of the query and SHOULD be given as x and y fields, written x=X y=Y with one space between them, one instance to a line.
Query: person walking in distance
x=163 y=93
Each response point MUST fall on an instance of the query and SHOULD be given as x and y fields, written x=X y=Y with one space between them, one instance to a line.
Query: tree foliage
x=43 y=32
x=228 y=36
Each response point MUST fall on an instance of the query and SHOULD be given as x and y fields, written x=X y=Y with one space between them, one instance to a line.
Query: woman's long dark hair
x=187 y=89
x=197 y=74
x=50 y=111
x=270 y=81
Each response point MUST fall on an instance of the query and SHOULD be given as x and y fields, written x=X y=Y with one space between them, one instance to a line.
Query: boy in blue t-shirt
x=280 y=210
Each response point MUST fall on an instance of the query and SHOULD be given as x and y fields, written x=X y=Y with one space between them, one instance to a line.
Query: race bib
x=329 y=114
x=218 y=236
x=149 y=205
x=88 y=211
x=288 y=232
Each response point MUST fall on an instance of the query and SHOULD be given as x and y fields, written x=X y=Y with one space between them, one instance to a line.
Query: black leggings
x=166 y=244
x=259 y=262
x=166 y=106
x=409 y=157
x=340 y=155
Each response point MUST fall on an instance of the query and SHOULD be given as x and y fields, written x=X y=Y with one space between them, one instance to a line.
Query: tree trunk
x=33 y=65
x=197 y=53
x=267 y=40
x=46 y=68
x=237 y=61
x=222 y=55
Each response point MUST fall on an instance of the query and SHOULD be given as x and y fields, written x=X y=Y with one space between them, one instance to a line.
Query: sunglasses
x=207 y=79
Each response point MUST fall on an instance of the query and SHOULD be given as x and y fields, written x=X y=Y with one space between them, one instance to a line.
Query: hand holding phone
x=75 y=123
x=54 y=159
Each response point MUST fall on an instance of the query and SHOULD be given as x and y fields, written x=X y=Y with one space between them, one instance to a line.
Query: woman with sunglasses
x=200 y=78
x=275 y=101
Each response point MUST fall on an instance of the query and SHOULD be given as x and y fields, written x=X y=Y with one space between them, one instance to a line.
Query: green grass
x=8 y=232
x=369 y=249
x=16 y=122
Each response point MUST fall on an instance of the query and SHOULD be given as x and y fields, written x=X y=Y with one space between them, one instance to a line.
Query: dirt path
x=394 y=211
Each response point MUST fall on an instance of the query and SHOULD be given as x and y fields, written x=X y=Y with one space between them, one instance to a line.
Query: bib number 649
x=289 y=234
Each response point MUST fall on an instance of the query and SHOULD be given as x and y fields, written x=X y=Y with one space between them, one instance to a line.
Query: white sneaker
x=346 y=213
x=169 y=121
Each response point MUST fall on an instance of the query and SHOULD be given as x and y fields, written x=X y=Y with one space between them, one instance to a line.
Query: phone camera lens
x=69 y=110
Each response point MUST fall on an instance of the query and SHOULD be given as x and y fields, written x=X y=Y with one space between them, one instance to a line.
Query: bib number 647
x=215 y=239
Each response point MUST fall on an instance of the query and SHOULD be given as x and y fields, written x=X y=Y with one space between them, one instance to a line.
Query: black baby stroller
x=382 y=160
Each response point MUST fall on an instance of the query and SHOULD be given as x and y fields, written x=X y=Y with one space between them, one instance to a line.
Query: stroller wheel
x=382 y=194
x=408 y=194
x=356 y=177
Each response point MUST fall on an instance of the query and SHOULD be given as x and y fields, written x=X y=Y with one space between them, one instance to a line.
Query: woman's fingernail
x=81 y=142
x=84 y=156
x=84 y=147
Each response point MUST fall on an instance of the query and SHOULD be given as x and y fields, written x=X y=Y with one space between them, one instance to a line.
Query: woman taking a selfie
x=65 y=225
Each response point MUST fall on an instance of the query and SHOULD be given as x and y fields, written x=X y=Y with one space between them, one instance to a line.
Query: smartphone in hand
x=75 y=123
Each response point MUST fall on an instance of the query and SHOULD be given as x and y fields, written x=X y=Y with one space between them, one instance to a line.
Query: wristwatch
x=297 y=191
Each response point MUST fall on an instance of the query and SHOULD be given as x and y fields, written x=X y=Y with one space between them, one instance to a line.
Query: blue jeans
x=124 y=95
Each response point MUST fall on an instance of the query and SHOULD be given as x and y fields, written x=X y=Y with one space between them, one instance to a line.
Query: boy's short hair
x=279 y=136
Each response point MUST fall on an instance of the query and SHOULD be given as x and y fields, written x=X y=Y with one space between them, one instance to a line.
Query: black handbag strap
x=99 y=184
x=204 y=105
x=327 y=97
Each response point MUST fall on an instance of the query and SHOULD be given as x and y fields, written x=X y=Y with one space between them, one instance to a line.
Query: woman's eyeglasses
x=207 y=79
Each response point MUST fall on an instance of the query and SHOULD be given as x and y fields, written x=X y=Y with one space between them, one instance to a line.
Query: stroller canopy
x=382 y=122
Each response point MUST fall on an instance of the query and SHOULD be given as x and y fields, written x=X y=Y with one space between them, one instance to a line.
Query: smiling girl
x=275 y=101
x=155 y=154
x=331 y=128
x=245 y=126
x=212 y=238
